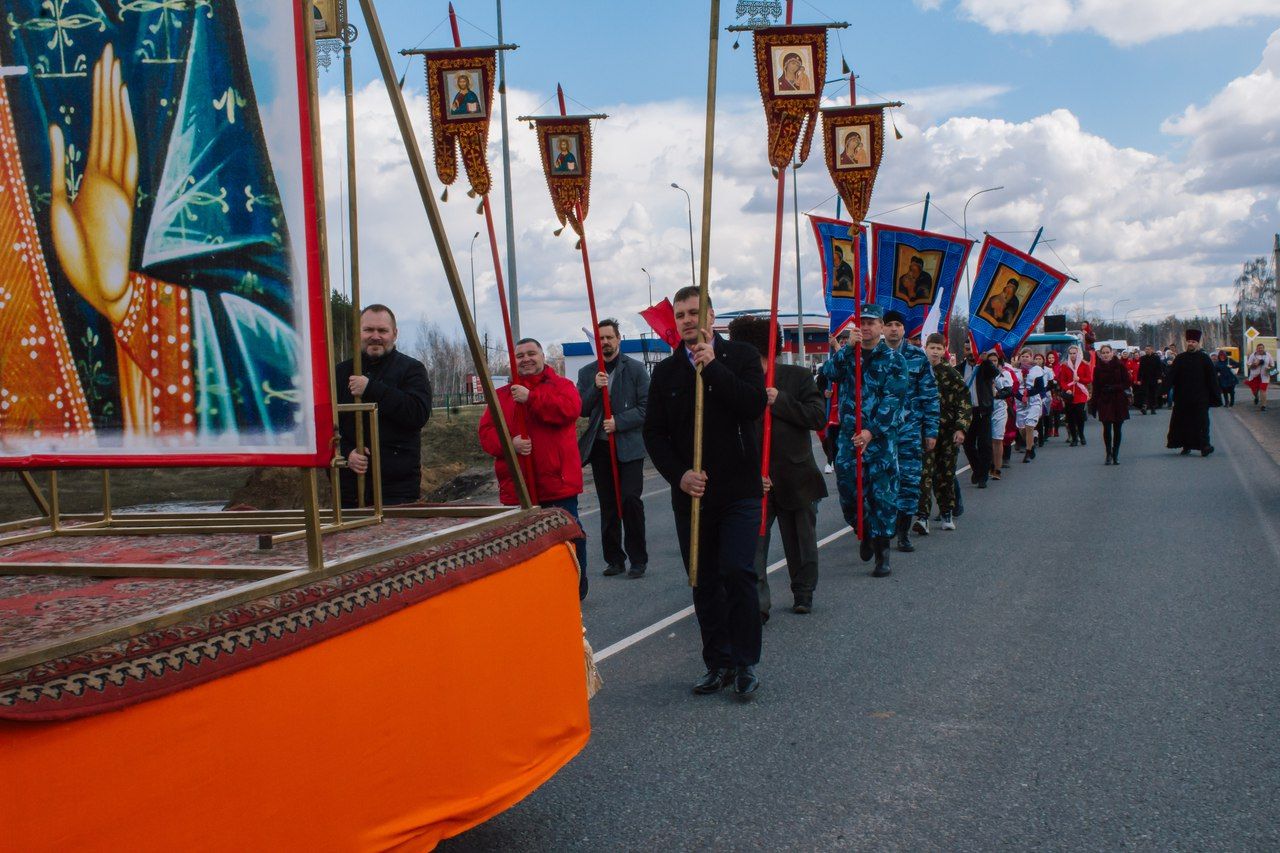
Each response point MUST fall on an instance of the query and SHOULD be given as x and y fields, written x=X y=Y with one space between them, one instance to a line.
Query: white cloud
x=1166 y=235
x=1127 y=22
x=1235 y=138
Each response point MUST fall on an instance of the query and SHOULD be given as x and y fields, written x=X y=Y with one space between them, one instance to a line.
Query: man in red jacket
x=550 y=406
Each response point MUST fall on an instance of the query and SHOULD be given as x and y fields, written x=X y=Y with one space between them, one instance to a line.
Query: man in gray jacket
x=628 y=382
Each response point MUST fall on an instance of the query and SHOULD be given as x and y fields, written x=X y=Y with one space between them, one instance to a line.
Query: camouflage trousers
x=879 y=483
x=938 y=478
x=910 y=464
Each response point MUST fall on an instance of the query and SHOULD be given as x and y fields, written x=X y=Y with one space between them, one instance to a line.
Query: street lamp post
x=646 y=272
x=693 y=276
x=964 y=217
x=1113 y=308
x=473 y=276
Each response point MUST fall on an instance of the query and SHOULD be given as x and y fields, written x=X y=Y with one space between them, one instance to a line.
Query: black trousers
x=1075 y=420
x=1151 y=395
x=725 y=600
x=612 y=528
x=977 y=443
x=829 y=443
x=799 y=529
x=1229 y=396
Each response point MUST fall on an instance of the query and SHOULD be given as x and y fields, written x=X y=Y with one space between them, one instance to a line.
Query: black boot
x=882 y=569
x=865 y=547
x=904 y=528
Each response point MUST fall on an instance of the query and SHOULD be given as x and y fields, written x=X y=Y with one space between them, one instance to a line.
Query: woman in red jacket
x=1074 y=376
x=548 y=406
x=1110 y=403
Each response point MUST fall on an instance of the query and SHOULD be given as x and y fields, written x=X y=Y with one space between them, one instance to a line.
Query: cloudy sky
x=1142 y=135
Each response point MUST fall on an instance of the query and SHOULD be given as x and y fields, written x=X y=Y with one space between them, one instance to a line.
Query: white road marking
x=645 y=633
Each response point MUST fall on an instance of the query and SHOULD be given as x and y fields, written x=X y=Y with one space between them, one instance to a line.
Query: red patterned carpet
x=36 y=611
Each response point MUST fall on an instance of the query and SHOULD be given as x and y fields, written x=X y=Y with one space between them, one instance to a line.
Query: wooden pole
x=521 y=424
x=419 y=169
x=708 y=164
x=353 y=238
x=595 y=330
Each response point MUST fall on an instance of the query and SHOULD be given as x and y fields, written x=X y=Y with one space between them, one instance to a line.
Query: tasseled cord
x=594 y=681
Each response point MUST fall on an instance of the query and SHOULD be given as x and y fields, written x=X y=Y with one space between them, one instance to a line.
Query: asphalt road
x=1089 y=662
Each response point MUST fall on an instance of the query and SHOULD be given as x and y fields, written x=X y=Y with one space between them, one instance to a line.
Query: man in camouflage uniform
x=938 y=476
x=884 y=389
x=919 y=427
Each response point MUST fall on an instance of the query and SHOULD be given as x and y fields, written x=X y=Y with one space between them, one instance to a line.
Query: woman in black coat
x=1110 y=400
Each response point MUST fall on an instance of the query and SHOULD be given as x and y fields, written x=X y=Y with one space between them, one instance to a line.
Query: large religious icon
x=843 y=260
x=325 y=21
x=792 y=69
x=915 y=275
x=565 y=148
x=464 y=92
x=853 y=146
x=161 y=299
x=1006 y=298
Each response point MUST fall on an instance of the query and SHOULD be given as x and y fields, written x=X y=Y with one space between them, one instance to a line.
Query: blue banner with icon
x=916 y=269
x=1012 y=291
x=845 y=283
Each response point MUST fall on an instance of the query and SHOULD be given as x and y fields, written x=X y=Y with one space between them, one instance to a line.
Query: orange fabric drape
x=391 y=736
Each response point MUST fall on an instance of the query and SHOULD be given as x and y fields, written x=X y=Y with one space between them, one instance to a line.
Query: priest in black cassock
x=1195 y=391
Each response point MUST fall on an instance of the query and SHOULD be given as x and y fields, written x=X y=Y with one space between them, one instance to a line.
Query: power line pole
x=1275 y=278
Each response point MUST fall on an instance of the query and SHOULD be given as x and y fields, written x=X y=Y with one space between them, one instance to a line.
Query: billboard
x=161 y=295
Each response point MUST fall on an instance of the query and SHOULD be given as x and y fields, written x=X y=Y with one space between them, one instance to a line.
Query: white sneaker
x=948 y=523
x=829 y=469
x=920 y=525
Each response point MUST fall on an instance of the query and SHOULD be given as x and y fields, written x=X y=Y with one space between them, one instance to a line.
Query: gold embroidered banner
x=791 y=64
x=565 y=143
x=460 y=88
x=854 y=142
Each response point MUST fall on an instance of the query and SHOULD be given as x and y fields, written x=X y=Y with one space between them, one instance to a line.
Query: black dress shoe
x=1186 y=451
x=865 y=548
x=1206 y=450
x=637 y=570
x=745 y=682
x=713 y=682
x=614 y=569
x=803 y=604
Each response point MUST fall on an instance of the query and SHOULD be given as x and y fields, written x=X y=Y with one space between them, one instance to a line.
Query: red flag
x=662 y=319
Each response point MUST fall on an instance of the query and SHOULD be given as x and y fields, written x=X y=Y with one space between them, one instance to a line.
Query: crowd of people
x=892 y=440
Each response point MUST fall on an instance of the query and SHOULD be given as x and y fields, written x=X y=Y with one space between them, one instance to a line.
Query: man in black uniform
x=399 y=385
x=725 y=600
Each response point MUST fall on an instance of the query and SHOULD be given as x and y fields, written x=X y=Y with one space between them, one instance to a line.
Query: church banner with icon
x=565 y=144
x=914 y=269
x=791 y=64
x=853 y=138
x=844 y=274
x=1011 y=292
x=161 y=299
x=460 y=91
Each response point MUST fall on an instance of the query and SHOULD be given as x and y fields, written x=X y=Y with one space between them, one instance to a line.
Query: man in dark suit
x=628 y=384
x=1150 y=369
x=399 y=385
x=725 y=600
x=795 y=485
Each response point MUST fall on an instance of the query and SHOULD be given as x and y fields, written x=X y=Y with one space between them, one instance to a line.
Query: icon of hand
x=92 y=235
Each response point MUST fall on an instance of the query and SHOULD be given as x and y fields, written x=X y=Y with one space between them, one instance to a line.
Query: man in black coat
x=1150 y=369
x=1194 y=383
x=725 y=600
x=628 y=384
x=795 y=483
x=399 y=385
